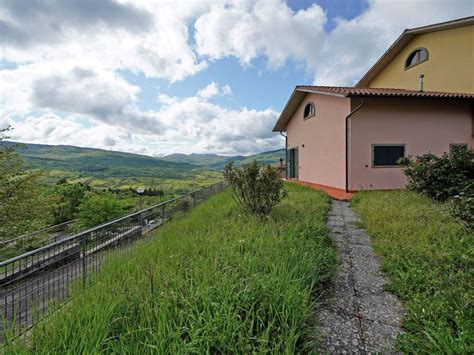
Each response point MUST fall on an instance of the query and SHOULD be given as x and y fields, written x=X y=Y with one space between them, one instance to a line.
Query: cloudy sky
x=158 y=77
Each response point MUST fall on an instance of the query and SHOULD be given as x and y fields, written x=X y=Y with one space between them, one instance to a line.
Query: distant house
x=417 y=98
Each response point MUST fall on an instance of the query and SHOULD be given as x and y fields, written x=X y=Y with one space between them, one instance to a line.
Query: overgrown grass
x=429 y=258
x=217 y=280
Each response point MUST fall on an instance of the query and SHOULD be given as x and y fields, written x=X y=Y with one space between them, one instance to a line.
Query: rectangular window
x=387 y=155
x=455 y=146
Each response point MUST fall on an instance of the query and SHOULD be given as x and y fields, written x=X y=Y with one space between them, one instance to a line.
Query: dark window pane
x=308 y=111
x=416 y=57
x=412 y=59
x=456 y=147
x=387 y=155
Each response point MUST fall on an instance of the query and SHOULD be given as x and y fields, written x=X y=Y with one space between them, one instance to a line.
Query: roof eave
x=402 y=40
x=280 y=125
x=277 y=127
x=385 y=59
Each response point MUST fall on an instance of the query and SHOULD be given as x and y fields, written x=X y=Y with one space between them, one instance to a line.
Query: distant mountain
x=110 y=168
x=272 y=157
x=96 y=161
x=212 y=161
x=104 y=168
x=217 y=162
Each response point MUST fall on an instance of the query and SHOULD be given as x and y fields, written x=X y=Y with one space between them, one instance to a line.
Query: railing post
x=163 y=213
x=84 y=260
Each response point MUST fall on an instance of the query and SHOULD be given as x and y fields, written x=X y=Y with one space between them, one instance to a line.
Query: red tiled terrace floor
x=338 y=194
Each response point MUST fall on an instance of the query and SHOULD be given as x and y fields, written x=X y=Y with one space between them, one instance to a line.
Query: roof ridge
x=369 y=89
x=440 y=24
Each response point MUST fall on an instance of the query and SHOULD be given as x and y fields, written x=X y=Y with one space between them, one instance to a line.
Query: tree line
x=28 y=203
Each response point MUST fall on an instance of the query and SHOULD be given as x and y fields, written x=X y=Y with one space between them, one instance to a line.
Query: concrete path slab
x=358 y=316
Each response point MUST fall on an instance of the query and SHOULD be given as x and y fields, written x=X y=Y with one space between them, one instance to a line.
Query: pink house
x=349 y=138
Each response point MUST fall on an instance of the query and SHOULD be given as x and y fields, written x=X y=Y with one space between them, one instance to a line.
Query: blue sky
x=255 y=86
x=157 y=77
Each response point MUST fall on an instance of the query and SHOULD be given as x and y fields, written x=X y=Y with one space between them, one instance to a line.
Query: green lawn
x=429 y=258
x=214 y=281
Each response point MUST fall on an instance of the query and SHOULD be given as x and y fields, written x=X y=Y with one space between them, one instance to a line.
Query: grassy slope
x=429 y=258
x=217 y=280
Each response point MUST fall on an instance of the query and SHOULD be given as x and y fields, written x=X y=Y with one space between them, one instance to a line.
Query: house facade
x=349 y=138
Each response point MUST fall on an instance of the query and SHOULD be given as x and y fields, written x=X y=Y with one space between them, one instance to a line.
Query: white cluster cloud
x=247 y=30
x=269 y=28
x=65 y=59
x=211 y=127
x=96 y=93
x=186 y=124
x=50 y=128
x=142 y=36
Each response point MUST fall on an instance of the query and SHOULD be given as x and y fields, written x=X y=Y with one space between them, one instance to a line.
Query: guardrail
x=24 y=243
x=31 y=282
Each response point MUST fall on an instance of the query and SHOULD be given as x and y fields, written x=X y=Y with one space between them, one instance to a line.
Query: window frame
x=311 y=114
x=457 y=145
x=293 y=163
x=387 y=145
x=421 y=61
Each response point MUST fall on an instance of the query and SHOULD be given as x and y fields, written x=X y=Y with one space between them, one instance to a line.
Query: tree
x=98 y=208
x=67 y=198
x=255 y=187
x=22 y=198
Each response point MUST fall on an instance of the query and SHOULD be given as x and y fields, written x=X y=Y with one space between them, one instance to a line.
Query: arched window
x=308 y=111
x=418 y=56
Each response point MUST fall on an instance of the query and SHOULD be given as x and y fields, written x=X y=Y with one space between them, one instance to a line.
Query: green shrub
x=442 y=177
x=447 y=178
x=462 y=206
x=255 y=187
x=68 y=198
x=98 y=208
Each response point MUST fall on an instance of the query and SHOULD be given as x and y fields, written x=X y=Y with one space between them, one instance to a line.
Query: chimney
x=422 y=76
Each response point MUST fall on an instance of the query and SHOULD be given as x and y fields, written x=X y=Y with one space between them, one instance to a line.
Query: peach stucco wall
x=423 y=125
x=322 y=159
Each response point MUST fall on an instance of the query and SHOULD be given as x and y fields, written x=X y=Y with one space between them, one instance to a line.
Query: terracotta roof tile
x=355 y=91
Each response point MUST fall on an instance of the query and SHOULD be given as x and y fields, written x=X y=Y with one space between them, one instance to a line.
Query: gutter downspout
x=286 y=154
x=362 y=102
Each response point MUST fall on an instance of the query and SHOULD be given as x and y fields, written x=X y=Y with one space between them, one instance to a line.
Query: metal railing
x=24 y=243
x=34 y=281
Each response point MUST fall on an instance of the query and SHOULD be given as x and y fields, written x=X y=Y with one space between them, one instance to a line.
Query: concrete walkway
x=358 y=316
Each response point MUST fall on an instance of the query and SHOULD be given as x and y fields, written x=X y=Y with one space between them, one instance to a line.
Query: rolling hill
x=212 y=161
x=103 y=168
x=217 y=162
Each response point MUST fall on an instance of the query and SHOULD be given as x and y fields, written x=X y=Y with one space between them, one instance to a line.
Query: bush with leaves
x=441 y=177
x=255 y=187
x=68 y=198
x=448 y=178
x=97 y=208
x=462 y=206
